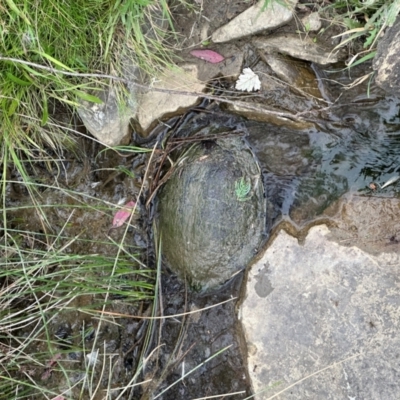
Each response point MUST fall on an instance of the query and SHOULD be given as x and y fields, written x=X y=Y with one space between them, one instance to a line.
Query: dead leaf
x=248 y=81
x=390 y=182
x=208 y=55
x=122 y=215
x=49 y=366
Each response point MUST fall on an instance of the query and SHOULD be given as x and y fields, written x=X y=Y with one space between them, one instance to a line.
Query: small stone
x=296 y=46
x=254 y=20
x=297 y=73
x=230 y=68
x=312 y=22
x=107 y=122
x=155 y=105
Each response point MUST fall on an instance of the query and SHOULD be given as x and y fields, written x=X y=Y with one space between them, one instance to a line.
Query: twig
x=294 y=117
x=150 y=88
x=119 y=315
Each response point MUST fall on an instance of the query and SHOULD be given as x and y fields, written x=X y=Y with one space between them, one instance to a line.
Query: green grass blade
x=18 y=81
x=88 y=97
x=55 y=61
x=17 y=11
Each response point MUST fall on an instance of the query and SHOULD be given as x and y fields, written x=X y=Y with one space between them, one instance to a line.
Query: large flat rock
x=173 y=99
x=255 y=19
x=322 y=320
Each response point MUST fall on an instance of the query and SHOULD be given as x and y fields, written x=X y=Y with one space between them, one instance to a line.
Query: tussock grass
x=57 y=299
x=80 y=36
x=40 y=291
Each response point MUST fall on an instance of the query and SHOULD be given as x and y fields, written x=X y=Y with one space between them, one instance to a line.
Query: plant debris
x=208 y=55
x=248 y=81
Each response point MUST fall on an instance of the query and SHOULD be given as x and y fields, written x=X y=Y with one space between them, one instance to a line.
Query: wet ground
x=306 y=173
x=352 y=148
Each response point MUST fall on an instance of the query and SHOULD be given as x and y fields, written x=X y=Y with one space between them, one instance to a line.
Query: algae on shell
x=208 y=232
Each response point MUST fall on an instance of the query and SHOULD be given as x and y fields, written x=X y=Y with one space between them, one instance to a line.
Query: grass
x=79 y=36
x=365 y=21
x=57 y=281
x=54 y=296
x=57 y=290
x=62 y=277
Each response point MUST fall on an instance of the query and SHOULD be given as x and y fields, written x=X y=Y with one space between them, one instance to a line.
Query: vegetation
x=58 y=280
x=365 y=21
x=57 y=303
x=242 y=189
x=53 y=55
x=46 y=45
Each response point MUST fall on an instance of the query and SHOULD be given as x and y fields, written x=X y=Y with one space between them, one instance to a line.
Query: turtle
x=212 y=212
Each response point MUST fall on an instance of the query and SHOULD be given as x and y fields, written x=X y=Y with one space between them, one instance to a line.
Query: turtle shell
x=212 y=213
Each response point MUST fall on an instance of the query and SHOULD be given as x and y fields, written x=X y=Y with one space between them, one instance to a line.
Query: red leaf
x=208 y=55
x=122 y=215
x=49 y=366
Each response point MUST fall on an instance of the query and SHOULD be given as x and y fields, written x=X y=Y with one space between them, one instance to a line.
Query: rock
x=274 y=91
x=230 y=68
x=370 y=223
x=210 y=232
x=312 y=22
x=321 y=320
x=298 y=74
x=253 y=21
x=298 y=47
x=155 y=105
x=262 y=113
x=386 y=61
x=108 y=122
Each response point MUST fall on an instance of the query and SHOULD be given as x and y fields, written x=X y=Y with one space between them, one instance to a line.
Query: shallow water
x=306 y=171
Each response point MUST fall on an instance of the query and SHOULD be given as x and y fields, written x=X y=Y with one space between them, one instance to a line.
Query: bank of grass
x=363 y=21
x=44 y=283
x=77 y=36
x=53 y=298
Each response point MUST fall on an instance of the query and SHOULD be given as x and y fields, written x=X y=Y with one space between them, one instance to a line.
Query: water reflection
x=305 y=171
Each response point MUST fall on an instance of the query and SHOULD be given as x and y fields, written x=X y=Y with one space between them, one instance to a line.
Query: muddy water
x=306 y=171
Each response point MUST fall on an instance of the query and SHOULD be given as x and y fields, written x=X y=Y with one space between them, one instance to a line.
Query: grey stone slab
x=303 y=48
x=255 y=20
x=155 y=105
x=322 y=321
x=386 y=62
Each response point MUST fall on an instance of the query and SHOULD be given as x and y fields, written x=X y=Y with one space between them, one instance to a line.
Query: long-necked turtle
x=212 y=212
